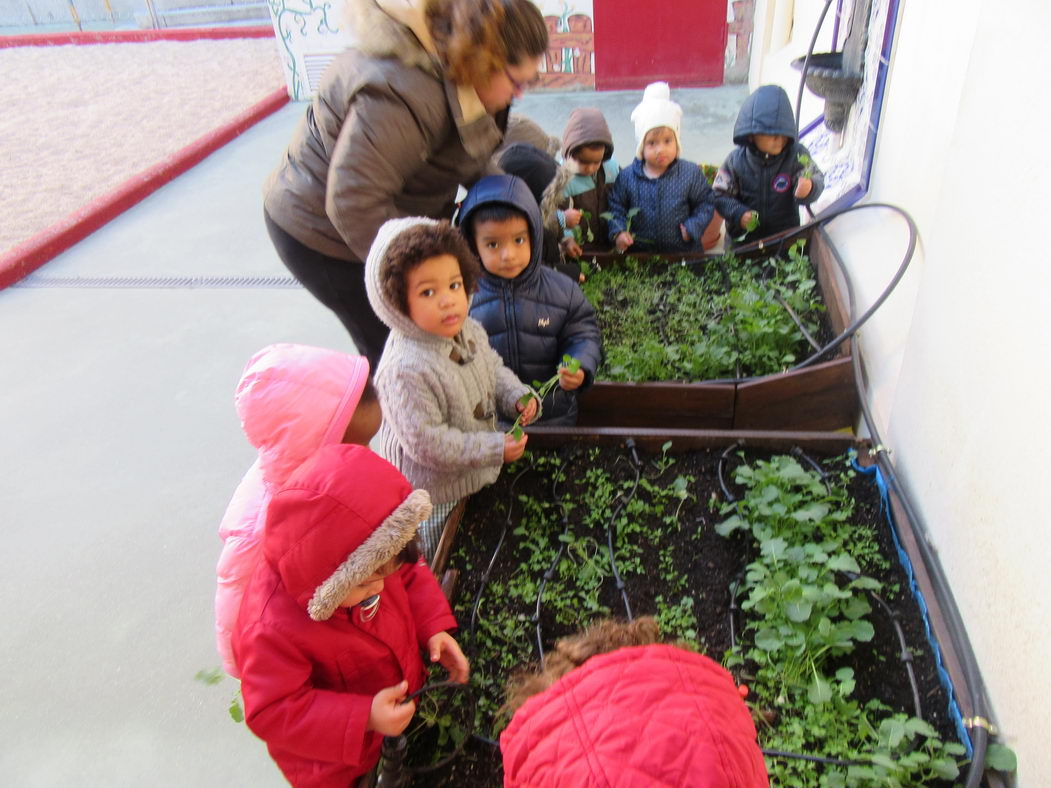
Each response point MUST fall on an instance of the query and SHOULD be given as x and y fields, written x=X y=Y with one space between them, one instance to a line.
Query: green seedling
x=808 y=165
x=583 y=230
x=632 y=213
x=750 y=225
x=538 y=391
x=213 y=677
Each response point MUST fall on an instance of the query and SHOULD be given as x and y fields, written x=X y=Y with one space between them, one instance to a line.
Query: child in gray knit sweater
x=440 y=384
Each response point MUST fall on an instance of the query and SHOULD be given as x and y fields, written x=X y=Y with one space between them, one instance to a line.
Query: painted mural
x=570 y=58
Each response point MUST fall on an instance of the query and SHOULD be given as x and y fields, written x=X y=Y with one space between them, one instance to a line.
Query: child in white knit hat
x=441 y=385
x=661 y=202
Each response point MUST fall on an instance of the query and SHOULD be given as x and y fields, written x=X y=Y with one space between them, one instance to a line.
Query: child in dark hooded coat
x=769 y=173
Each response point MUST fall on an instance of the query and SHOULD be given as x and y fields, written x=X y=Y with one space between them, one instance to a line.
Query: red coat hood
x=641 y=716
x=342 y=514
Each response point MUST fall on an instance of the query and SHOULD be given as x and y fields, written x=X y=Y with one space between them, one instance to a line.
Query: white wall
x=958 y=357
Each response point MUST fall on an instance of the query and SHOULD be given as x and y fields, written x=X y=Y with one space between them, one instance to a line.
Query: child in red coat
x=334 y=618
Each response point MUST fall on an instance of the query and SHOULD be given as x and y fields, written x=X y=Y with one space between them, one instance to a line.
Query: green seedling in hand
x=632 y=212
x=808 y=165
x=538 y=391
x=583 y=230
x=750 y=225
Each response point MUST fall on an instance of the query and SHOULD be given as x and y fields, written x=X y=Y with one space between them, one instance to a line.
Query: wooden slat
x=821 y=397
x=682 y=405
x=653 y=439
x=448 y=538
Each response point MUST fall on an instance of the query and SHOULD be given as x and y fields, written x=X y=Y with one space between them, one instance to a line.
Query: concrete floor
x=121 y=449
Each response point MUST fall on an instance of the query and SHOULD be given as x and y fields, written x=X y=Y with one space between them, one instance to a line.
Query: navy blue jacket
x=540 y=315
x=753 y=181
x=681 y=195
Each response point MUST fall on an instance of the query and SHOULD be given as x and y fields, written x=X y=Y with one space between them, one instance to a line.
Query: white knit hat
x=654 y=111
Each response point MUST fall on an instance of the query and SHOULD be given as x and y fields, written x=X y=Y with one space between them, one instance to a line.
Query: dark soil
x=710 y=563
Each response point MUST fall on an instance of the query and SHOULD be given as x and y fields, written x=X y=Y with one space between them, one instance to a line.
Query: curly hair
x=476 y=38
x=419 y=243
x=573 y=651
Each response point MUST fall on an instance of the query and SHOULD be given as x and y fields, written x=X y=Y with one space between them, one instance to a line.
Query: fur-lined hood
x=385 y=28
x=294 y=399
x=344 y=513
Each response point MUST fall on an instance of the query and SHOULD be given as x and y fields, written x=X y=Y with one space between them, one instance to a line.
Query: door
x=681 y=42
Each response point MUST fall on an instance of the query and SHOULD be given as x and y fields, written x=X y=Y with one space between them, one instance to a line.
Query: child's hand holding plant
x=749 y=221
x=388 y=714
x=570 y=247
x=804 y=183
x=570 y=376
x=572 y=217
x=529 y=404
x=624 y=241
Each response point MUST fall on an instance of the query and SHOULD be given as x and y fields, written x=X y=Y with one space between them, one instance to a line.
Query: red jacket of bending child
x=310 y=667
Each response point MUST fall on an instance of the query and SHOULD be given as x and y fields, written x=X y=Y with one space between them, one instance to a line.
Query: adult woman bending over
x=401 y=119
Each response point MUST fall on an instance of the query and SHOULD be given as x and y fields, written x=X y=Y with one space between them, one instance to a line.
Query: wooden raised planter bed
x=813 y=443
x=819 y=397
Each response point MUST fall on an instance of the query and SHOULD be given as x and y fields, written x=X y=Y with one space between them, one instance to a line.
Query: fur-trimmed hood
x=384 y=28
x=293 y=399
x=344 y=513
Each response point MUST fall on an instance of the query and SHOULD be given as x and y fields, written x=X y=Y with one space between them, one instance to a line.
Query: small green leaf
x=236 y=712
x=209 y=677
x=819 y=691
x=516 y=432
x=1001 y=758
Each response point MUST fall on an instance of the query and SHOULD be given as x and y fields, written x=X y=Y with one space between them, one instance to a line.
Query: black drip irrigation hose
x=630 y=445
x=730 y=497
x=392 y=768
x=979 y=730
x=496 y=552
x=848 y=332
x=799 y=454
x=550 y=573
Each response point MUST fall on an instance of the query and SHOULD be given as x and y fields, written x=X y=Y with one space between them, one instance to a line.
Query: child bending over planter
x=660 y=202
x=335 y=615
x=440 y=383
x=534 y=316
x=584 y=182
x=614 y=705
x=292 y=400
x=765 y=179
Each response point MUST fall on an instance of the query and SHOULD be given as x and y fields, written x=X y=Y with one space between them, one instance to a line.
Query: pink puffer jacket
x=292 y=400
x=637 y=717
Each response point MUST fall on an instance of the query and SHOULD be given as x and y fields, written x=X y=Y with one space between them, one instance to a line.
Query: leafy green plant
x=709 y=171
x=540 y=390
x=726 y=318
x=630 y=216
x=212 y=678
x=583 y=232
x=807 y=164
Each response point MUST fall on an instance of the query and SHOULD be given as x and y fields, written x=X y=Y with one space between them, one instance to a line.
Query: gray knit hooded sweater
x=439 y=396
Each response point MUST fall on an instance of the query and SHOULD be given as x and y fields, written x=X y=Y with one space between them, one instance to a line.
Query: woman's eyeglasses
x=520 y=87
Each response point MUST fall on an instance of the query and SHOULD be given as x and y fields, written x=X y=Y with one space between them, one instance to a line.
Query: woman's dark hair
x=421 y=242
x=476 y=38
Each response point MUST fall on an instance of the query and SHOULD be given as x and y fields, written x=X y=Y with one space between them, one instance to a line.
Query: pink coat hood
x=292 y=400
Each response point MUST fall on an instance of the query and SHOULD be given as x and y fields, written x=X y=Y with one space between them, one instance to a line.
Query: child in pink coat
x=292 y=400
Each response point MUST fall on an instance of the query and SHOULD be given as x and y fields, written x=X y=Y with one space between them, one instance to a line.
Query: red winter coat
x=308 y=685
x=636 y=717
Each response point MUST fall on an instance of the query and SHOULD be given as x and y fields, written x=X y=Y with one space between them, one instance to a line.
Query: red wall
x=681 y=42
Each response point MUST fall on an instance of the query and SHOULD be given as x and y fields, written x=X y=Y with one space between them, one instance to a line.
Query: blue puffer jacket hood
x=508 y=190
x=541 y=314
x=766 y=111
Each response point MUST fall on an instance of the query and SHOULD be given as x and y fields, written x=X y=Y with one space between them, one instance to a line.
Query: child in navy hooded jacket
x=532 y=314
x=673 y=199
x=768 y=171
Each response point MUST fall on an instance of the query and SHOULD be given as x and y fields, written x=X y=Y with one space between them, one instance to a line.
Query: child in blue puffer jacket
x=666 y=200
x=533 y=314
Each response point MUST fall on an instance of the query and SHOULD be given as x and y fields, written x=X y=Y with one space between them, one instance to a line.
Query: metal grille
x=161 y=282
x=315 y=63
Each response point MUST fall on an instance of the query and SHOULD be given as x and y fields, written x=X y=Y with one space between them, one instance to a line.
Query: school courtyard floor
x=121 y=448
